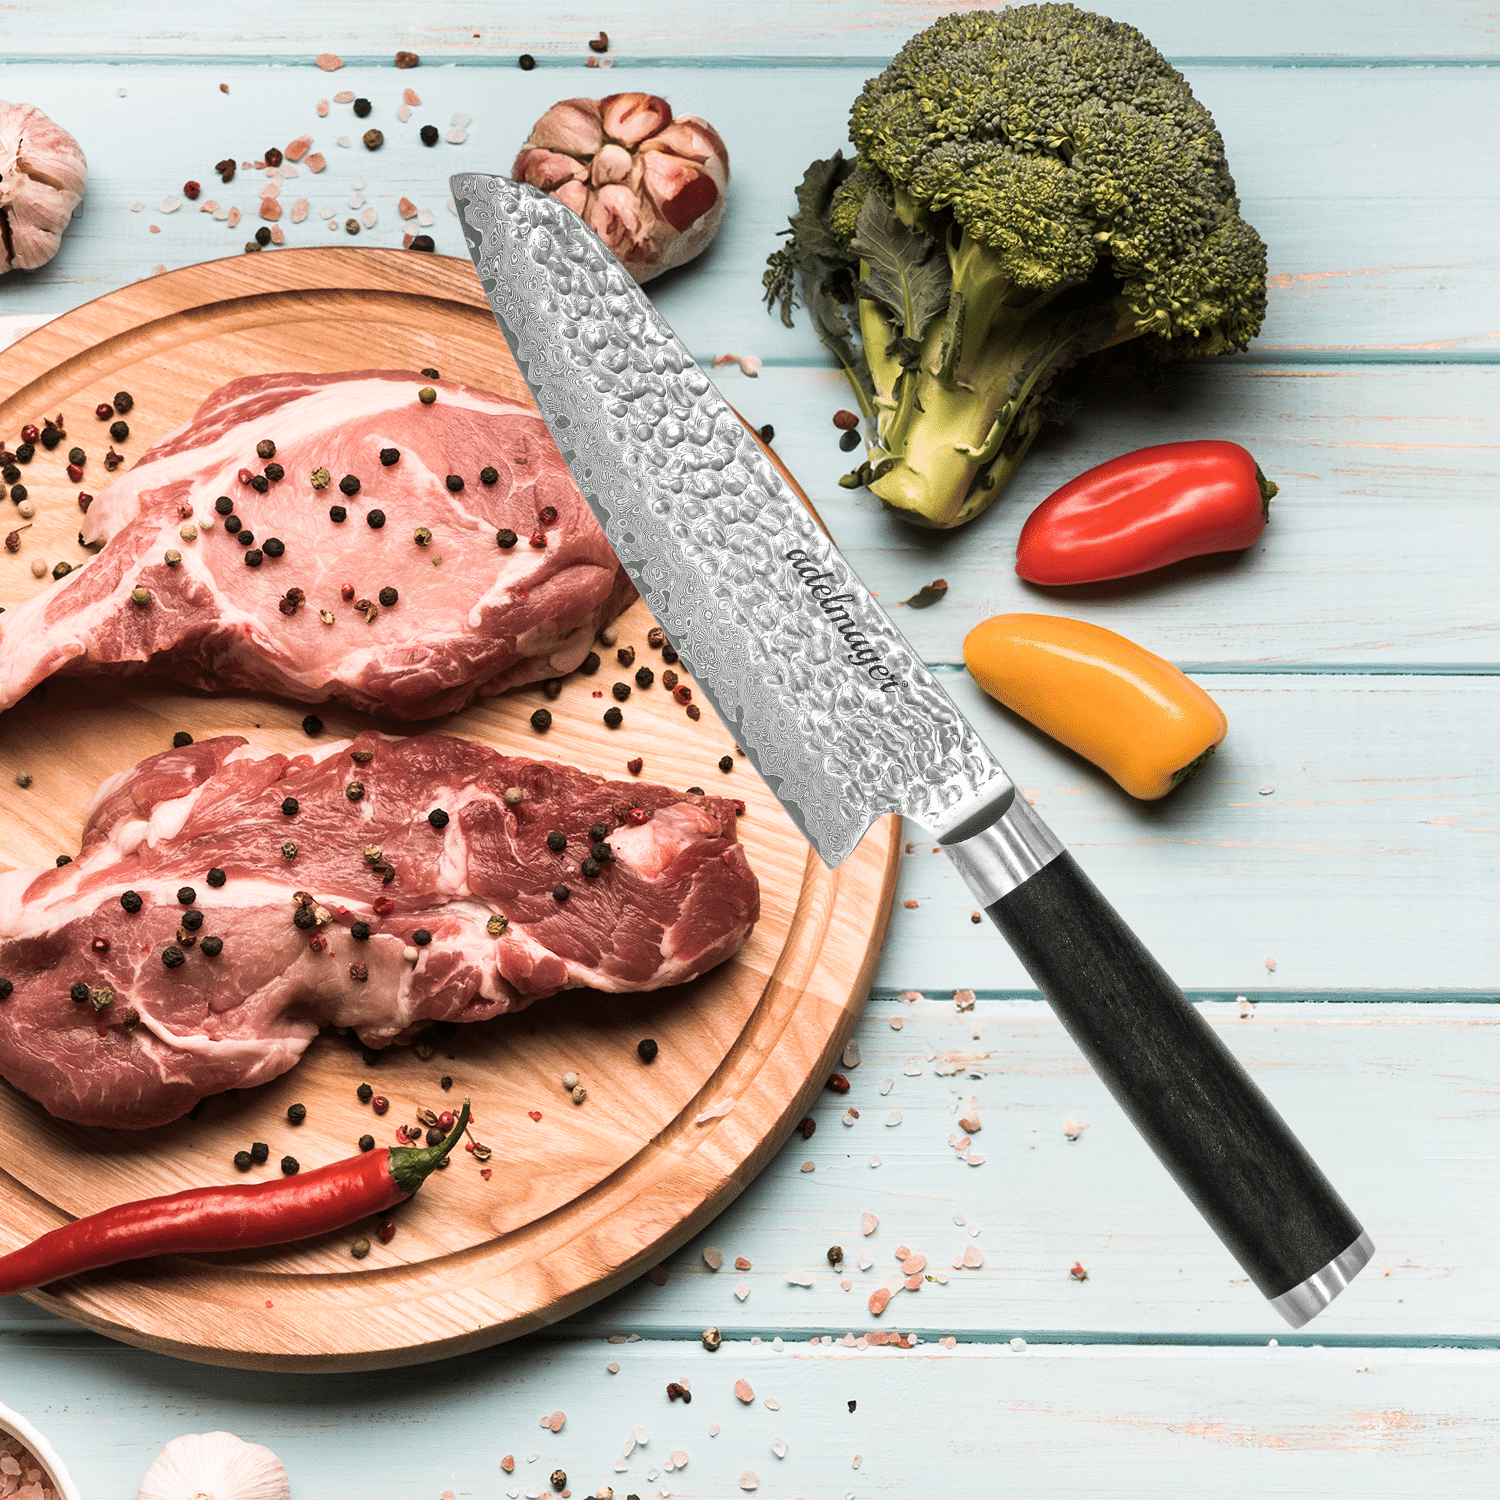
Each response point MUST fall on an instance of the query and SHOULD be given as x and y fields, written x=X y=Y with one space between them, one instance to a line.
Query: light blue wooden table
x=1326 y=889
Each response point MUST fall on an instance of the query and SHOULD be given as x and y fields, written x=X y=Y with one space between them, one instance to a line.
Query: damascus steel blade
x=835 y=709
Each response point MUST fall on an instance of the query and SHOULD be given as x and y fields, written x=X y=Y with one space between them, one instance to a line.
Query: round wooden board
x=579 y=1201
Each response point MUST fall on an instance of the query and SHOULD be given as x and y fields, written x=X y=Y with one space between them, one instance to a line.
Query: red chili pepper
x=242 y=1217
x=1144 y=510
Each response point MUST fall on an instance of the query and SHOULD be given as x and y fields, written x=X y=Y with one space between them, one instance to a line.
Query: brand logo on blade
x=861 y=653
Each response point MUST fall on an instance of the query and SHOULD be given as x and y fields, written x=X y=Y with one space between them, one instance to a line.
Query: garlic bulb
x=215 y=1466
x=42 y=177
x=650 y=186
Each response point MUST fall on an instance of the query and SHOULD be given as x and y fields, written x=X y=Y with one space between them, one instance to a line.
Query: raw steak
x=471 y=617
x=676 y=898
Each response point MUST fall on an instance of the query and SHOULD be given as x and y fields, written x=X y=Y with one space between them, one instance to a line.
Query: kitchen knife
x=844 y=722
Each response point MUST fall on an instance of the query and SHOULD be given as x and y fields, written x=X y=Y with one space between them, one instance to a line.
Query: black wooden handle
x=1213 y=1129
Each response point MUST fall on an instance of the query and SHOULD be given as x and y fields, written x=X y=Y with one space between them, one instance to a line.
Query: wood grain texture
x=579 y=1201
x=1060 y=1422
x=786 y=31
x=1379 y=245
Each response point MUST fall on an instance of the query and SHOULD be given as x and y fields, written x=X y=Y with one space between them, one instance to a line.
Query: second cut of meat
x=335 y=537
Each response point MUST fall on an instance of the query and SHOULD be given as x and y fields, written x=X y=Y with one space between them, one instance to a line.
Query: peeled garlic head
x=650 y=186
x=42 y=177
x=215 y=1466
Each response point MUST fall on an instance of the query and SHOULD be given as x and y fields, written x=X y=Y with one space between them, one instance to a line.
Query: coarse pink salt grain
x=407 y=209
x=914 y=1264
x=316 y=162
x=880 y=1299
x=270 y=208
x=556 y=1420
x=233 y=217
x=299 y=148
x=902 y=1252
x=741 y=1264
x=330 y=62
x=322 y=108
x=878 y=1339
x=410 y=96
x=278 y=235
x=344 y=96
x=948 y=1341
x=914 y=1283
x=299 y=210
x=973 y=1257
x=868 y=1224
x=508 y=1463
x=743 y=1391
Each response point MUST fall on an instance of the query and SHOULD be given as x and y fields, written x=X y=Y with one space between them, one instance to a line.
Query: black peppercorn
x=259 y=483
x=435 y=1137
x=438 y=818
x=526 y=62
x=51 y=437
x=259 y=1152
x=337 y=513
x=726 y=763
x=646 y=1050
x=211 y=947
x=181 y=739
x=290 y=805
x=613 y=717
x=425 y=242
x=560 y=893
x=644 y=677
x=25 y=453
x=263 y=236
x=367 y=1143
x=355 y=790
x=224 y=505
x=505 y=537
x=131 y=902
x=254 y=557
x=289 y=1166
x=669 y=654
x=849 y=441
x=454 y=482
x=488 y=474
x=245 y=537
x=312 y=724
x=192 y=920
x=216 y=877
x=360 y=932
x=173 y=957
x=19 y=493
x=77 y=456
x=375 y=519
x=123 y=402
x=242 y=1160
x=421 y=937
x=429 y=135
x=388 y=596
x=389 y=456
x=557 y=842
x=362 y=107
x=119 y=431
x=601 y=851
x=621 y=691
x=79 y=993
x=365 y=1093
x=598 y=831
x=275 y=473
x=7 y=989
x=304 y=917
x=273 y=546
x=541 y=720
x=349 y=484
x=186 y=895
x=590 y=868
x=265 y=448
x=445 y=1082
x=232 y=524
x=297 y=1113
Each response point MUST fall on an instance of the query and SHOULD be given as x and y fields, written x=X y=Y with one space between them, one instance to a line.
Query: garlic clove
x=681 y=190
x=215 y=1466
x=630 y=118
x=613 y=164
x=575 y=196
x=695 y=139
x=547 y=170
x=572 y=127
x=621 y=220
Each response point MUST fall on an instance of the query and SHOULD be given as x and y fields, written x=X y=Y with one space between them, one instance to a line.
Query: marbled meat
x=185 y=951
x=278 y=596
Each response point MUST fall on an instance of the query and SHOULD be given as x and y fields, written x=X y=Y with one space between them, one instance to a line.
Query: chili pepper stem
x=409 y=1166
x=1192 y=767
x=1268 y=490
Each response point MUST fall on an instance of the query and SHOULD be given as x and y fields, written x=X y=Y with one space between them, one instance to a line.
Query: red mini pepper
x=243 y=1217
x=1144 y=510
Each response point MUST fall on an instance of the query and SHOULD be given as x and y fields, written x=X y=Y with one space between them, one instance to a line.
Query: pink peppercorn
x=682 y=693
x=105 y=412
x=380 y=1104
x=101 y=945
x=75 y=472
x=637 y=816
x=538 y=539
x=547 y=515
x=346 y=592
x=385 y=1231
x=838 y=1083
x=445 y=1120
x=31 y=433
x=84 y=501
x=634 y=766
x=244 y=476
x=190 y=190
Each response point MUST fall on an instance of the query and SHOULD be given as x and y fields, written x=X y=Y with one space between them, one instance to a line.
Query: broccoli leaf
x=906 y=272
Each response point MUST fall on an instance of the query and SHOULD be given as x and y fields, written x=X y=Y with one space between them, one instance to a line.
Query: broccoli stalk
x=1032 y=187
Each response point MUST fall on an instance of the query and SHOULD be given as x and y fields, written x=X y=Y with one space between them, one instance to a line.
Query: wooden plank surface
x=778 y=31
x=1056 y=1422
x=1379 y=245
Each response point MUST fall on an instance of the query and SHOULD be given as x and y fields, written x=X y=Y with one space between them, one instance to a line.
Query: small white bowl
x=16 y=1425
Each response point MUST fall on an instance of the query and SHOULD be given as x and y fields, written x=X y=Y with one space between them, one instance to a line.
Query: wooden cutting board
x=579 y=1198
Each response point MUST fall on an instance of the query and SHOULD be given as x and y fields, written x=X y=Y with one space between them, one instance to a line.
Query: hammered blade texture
x=835 y=709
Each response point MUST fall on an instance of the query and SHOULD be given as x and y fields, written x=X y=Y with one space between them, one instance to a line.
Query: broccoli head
x=1032 y=186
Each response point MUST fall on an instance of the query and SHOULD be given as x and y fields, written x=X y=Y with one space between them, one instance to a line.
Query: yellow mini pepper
x=1132 y=714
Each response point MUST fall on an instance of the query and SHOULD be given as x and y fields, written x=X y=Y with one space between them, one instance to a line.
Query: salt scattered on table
x=322 y=108
x=887 y=1084
x=679 y=1458
x=894 y=1118
x=326 y=212
x=778 y=1447
x=410 y=96
x=369 y=217
x=874 y=1161
x=344 y=96
x=715 y=1111
x=868 y=1223
x=749 y=1480
x=457 y=136
x=713 y=1257
x=797 y=1278
x=641 y=1435
x=742 y=1290
x=809 y=1166
x=403 y=112
x=424 y=218
x=973 y=1257
x=613 y=1367
x=743 y=1390
x=713 y=1429
x=170 y=204
x=851 y=1054
x=461 y=119
x=344 y=141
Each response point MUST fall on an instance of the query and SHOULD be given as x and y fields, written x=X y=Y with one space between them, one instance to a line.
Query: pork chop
x=463 y=507
x=227 y=903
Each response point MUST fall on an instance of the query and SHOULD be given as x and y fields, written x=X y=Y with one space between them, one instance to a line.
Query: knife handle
x=1210 y=1126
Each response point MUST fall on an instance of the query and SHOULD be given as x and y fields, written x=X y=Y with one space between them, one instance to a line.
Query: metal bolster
x=1308 y=1298
x=1004 y=854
